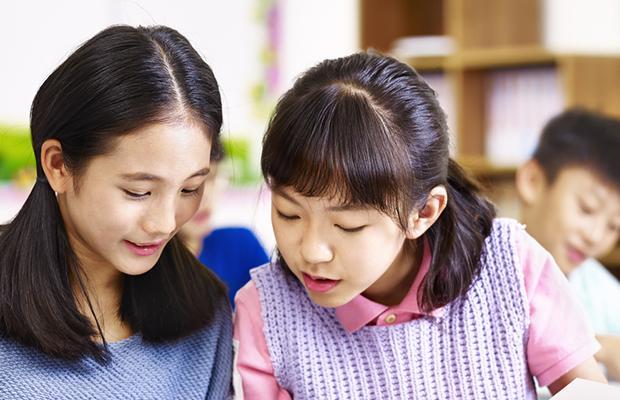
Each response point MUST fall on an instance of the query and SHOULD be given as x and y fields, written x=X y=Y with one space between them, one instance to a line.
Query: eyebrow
x=145 y=176
x=343 y=207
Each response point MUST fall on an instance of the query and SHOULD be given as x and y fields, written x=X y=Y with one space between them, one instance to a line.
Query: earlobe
x=53 y=164
x=420 y=221
x=530 y=181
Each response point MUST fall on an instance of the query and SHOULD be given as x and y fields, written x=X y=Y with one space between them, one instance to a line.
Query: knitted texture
x=476 y=350
x=198 y=366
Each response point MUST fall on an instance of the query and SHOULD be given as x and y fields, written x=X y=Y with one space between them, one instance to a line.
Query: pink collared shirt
x=559 y=335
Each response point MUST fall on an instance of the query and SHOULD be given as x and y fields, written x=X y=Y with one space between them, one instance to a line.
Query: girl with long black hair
x=98 y=298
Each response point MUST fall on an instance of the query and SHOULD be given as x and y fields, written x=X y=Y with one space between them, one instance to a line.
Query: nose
x=160 y=219
x=314 y=248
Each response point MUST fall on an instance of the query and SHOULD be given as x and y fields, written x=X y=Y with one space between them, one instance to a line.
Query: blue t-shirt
x=231 y=253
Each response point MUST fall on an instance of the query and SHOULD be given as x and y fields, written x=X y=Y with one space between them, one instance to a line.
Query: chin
x=327 y=301
x=135 y=270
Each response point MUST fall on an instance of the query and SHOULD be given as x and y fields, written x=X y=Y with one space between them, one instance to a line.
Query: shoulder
x=502 y=245
x=592 y=270
x=505 y=234
x=247 y=297
x=507 y=224
x=214 y=335
x=13 y=354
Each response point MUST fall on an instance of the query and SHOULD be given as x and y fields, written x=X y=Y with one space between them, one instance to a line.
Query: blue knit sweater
x=195 y=367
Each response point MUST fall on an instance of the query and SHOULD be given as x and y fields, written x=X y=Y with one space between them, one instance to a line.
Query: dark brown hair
x=367 y=130
x=121 y=79
x=577 y=137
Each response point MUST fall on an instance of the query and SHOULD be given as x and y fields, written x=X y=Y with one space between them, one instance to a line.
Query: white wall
x=582 y=26
x=315 y=30
x=36 y=36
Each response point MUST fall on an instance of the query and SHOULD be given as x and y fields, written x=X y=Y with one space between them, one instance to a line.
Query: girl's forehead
x=329 y=203
x=163 y=150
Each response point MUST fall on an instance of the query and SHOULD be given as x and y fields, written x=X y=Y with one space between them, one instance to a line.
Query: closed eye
x=191 y=192
x=351 y=230
x=586 y=208
x=136 y=196
x=286 y=216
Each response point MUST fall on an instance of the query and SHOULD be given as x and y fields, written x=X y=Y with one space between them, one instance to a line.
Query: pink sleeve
x=252 y=361
x=560 y=337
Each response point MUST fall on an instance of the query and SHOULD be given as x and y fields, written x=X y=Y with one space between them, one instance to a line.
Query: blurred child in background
x=394 y=279
x=570 y=194
x=230 y=252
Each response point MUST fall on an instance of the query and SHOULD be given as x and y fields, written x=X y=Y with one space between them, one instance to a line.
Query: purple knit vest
x=475 y=351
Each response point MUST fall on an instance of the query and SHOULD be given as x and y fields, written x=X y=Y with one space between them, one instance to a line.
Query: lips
x=144 y=249
x=575 y=256
x=318 y=284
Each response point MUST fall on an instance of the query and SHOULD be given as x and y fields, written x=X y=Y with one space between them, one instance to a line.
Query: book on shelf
x=422 y=46
x=518 y=103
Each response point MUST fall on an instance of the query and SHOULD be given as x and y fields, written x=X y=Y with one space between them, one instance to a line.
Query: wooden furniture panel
x=592 y=82
x=469 y=93
x=387 y=20
x=494 y=23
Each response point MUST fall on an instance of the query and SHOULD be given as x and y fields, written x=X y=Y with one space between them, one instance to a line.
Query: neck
x=393 y=286
x=194 y=245
x=102 y=287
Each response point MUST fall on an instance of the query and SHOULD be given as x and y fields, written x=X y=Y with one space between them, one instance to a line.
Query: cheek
x=608 y=243
x=280 y=232
x=286 y=236
x=186 y=210
x=108 y=210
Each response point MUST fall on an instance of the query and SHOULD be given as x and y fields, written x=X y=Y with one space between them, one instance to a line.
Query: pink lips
x=319 y=285
x=143 y=249
x=575 y=256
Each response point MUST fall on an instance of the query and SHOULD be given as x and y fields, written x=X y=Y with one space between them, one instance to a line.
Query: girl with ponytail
x=98 y=297
x=393 y=278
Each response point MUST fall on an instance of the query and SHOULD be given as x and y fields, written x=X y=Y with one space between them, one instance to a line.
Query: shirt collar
x=361 y=311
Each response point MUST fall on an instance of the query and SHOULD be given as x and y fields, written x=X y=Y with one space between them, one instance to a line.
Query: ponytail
x=37 y=305
x=456 y=240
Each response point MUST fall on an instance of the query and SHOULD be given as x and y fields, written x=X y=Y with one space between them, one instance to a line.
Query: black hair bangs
x=345 y=151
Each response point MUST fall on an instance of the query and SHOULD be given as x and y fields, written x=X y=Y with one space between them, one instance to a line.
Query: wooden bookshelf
x=499 y=58
x=481 y=168
x=427 y=64
x=612 y=261
x=489 y=36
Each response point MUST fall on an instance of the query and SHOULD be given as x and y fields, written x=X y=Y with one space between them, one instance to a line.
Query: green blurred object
x=16 y=153
x=16 y=156
x=238 y=161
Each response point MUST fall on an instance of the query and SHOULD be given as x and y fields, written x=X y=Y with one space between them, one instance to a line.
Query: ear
x=53 y=164
x=420 y=221
x=530 y=182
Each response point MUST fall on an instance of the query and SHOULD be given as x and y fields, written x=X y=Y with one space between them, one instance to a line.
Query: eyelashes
x=351 y=230
x=145 y=195
x=287 y=217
